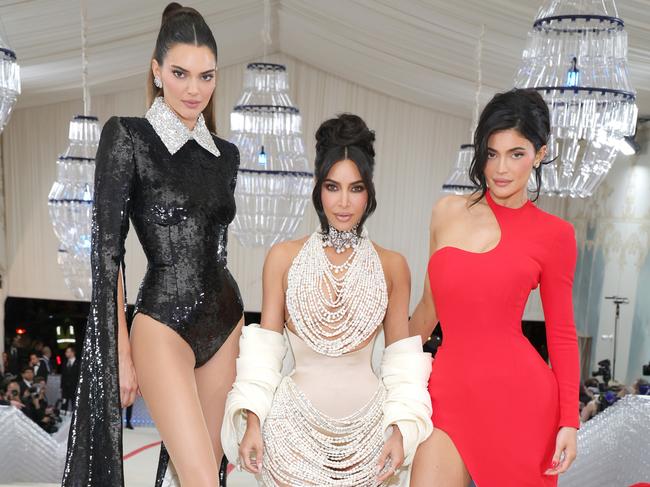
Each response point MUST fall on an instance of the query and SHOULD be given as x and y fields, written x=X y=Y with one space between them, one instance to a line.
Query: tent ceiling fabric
x=419 y=51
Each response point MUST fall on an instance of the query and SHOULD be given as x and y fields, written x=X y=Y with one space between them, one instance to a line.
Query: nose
x=192 y=86
x=502 y=166
x=345 y=199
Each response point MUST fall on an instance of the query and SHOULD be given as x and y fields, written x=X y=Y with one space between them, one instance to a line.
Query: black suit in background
x=23 y=386
x=42 y=368
x=17 y=358
x=69 y=379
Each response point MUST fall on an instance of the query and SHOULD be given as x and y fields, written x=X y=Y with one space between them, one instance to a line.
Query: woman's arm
x=95 y=440
x=275 y=266
x=424 y=316
x=128 y=378
x=556 y=291
x=396 y=319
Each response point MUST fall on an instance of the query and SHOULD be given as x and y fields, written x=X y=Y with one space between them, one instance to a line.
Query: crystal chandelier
x=71 y=197
x=9 y=82
x=458 y=180
x=274 y=182
x=576 y=57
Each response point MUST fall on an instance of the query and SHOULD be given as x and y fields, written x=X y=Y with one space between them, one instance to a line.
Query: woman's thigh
x=164 y=365
x=213 y=381
x=437 y=463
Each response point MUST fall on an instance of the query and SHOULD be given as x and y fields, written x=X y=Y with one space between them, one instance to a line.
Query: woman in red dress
x=501 y=415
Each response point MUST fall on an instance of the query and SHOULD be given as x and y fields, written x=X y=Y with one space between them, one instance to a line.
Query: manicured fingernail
x=554 y=464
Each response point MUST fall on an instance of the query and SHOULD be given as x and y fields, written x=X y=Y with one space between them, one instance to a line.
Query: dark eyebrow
x=328 y=180
x=510 y=150
x=186 y=71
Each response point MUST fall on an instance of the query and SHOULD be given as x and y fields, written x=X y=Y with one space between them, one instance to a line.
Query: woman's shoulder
x=553 y=225
x=127 y=125
x=225 y=146
x=283 y=253
x=391 y=260
x=450 y=206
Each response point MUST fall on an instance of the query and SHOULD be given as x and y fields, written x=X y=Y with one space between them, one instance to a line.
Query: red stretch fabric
x=492 y=393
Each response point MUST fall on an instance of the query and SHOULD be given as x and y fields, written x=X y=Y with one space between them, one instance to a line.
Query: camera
x=604 y=371
x=34 y=391
x=646 y=369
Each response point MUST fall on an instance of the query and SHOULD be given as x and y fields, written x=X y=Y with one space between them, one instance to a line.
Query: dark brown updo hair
x=521 y=109
x=182 y=25
x=332 y=138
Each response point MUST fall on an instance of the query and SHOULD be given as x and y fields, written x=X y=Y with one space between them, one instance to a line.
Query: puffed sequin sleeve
x=94 y=455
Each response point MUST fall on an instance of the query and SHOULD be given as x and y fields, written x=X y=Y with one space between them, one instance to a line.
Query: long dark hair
x=332 y=138
x=521 y=109
x=182 y=25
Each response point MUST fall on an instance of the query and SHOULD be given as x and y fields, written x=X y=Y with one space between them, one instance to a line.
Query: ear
x=541 y=155
x=155 y=68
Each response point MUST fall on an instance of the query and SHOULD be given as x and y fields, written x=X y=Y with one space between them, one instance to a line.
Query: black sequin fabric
x=180 y=206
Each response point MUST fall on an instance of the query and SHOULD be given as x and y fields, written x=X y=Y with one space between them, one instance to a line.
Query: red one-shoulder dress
x=492 y=393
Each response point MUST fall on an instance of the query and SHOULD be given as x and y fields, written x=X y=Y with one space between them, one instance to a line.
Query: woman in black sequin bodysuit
x=175 y=180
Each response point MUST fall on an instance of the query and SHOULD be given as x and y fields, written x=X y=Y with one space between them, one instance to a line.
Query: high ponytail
x=182 y=25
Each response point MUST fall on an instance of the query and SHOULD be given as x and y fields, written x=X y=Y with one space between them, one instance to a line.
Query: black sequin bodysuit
x=180 y=205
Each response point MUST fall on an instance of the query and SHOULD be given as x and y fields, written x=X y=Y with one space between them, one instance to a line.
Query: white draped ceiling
x=418 y=51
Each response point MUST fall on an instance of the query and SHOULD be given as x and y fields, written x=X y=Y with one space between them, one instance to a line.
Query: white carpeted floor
x=140 y=469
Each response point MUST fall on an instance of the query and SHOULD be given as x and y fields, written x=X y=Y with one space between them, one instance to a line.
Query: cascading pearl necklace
x=335 y=308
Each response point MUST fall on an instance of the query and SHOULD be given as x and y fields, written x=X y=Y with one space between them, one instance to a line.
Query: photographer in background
x=27 y=378
x=604 y=371
x=37 y=407
x=12 y=394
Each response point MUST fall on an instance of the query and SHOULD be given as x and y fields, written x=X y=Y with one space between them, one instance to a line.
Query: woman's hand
x=393 y=453
x=128 y=379
x=565 y=450
x=251 y=447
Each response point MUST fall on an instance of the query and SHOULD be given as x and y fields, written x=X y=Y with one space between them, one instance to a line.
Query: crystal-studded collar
x=174 y=133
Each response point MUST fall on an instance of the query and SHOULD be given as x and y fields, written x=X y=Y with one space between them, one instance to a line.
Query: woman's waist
x=186 y=285
x=339 y=375
x=346 y=396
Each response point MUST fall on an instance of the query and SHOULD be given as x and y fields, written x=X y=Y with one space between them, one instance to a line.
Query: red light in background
x=20 y=331
x=58 y=360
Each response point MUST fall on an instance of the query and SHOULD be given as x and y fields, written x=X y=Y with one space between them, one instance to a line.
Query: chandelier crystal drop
x=70 y=203
x=576 y=58
x=274 y=182
x=458 y=180
x=9 y=82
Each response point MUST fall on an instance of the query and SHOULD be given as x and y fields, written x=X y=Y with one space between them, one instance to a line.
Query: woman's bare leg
x=214 y=380
x=437 y=463
x=164 y=365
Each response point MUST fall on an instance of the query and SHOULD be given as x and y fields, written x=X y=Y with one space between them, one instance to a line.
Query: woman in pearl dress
x=332 y=421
